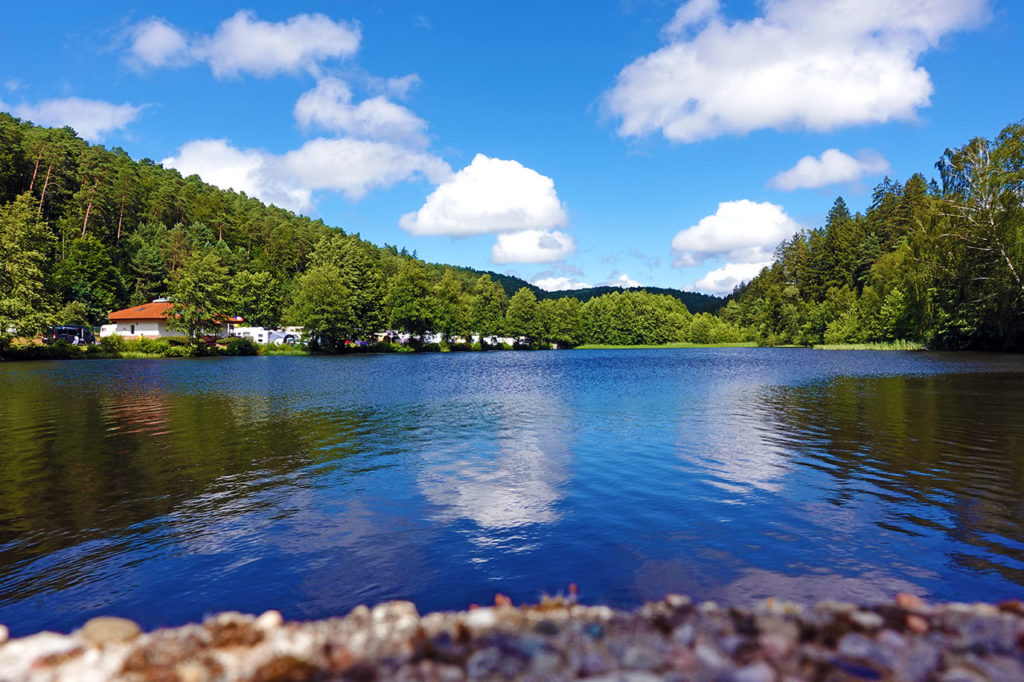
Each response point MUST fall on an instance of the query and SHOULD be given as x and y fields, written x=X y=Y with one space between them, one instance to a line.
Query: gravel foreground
x=673 y=639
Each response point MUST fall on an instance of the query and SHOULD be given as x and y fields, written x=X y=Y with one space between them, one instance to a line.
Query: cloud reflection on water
x=513 y=481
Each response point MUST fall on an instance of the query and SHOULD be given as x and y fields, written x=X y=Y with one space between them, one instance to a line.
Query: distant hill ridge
x=694 y=302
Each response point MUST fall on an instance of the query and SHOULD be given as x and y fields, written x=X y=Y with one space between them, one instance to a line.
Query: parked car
x=75 y=334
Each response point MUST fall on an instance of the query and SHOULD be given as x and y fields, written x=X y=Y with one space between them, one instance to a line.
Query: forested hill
x=939 y=263
x=694 y=302
x=85 y=230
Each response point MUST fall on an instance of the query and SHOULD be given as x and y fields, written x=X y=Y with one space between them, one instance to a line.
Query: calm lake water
x=166 y=490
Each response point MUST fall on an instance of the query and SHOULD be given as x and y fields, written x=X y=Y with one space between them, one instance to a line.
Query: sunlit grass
x=606 y=346
x=885 y=345
x=283 y=349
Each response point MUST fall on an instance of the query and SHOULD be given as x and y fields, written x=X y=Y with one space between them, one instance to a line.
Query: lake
x=164 y=490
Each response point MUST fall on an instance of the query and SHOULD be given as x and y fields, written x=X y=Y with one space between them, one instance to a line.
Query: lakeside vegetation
x=939 y=263
x=678 y=344
x=85 y=230
x=881 y=345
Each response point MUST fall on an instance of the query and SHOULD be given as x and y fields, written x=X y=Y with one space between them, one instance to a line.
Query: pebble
x=481 y=619
x=269 y=620
x=867 y=620
x=757 y=672
x=917 y=624
x=910 y=602
x=109 y=630
x=670 y=641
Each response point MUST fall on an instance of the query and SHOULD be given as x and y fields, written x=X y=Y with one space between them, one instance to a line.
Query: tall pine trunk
x=42 y=195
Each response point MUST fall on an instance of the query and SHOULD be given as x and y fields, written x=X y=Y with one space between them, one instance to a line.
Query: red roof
x=157 y=310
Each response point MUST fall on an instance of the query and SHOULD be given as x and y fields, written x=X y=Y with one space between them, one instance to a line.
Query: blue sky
x=570 y=143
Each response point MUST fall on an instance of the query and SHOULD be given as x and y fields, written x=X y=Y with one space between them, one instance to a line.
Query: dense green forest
x=86 y=230
x=935 y=262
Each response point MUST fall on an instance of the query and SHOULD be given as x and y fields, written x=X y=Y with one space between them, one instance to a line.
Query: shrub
x=460 y=347
x=431 y=348
x=242 y=346
x=179 y=352
x=114 y=343
x=149 y=346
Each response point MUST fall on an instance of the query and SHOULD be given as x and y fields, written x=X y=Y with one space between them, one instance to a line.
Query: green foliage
x=408 y=300
x=523 y=316
x=944 y=268
x=257 y=298
x=113 y=343
x=200 y=291
x=74 y=312
x=87 y=276
x=242 y=346
x=26 y=249
x=323 y=307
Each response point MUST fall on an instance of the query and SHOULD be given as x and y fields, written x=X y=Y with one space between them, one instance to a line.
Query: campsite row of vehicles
x=80 y=335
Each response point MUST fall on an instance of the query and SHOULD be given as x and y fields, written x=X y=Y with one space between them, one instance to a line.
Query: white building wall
x=153 y=329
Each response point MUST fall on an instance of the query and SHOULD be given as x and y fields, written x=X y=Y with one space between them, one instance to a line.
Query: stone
x=593 y=664
x=867 y=620
x=677 y=601
x=190 y=671
x=961 y=674
x=684 y=634
x=481 y=619
x=105 y=630
x=710 y=657
x=639 y=658
x=270 y=620
x=483 y=662
x=910 y=602
x=917 y=624
x=756 y=672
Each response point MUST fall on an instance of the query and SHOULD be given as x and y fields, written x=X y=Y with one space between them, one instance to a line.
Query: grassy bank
x=888 y=345
x=113 y=348
x=605 y=346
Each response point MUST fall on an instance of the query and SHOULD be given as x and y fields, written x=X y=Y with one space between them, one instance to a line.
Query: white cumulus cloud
x=532 y=246
x=242 y=170
x=244 y=43
x=806 y=64
x=352 y=167
x=832 y=167
x=489 y=195
x=739 y=231
x=724 y=279
x=329 y=106
x=91 y=118
x=157 y=43
x=623 y=281
x=560 y=284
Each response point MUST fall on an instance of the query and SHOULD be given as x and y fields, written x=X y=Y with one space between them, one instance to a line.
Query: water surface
x=166 y=490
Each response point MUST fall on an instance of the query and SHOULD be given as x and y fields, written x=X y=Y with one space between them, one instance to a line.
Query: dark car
x=75 y=334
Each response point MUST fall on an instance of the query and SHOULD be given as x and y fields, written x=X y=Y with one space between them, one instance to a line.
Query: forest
x=936 y=262
x=86 y=230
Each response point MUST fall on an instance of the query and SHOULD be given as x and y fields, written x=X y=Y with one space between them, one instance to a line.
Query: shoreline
x=673 y=639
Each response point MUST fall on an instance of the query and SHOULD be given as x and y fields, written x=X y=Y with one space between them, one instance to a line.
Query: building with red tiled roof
x=149 y=320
